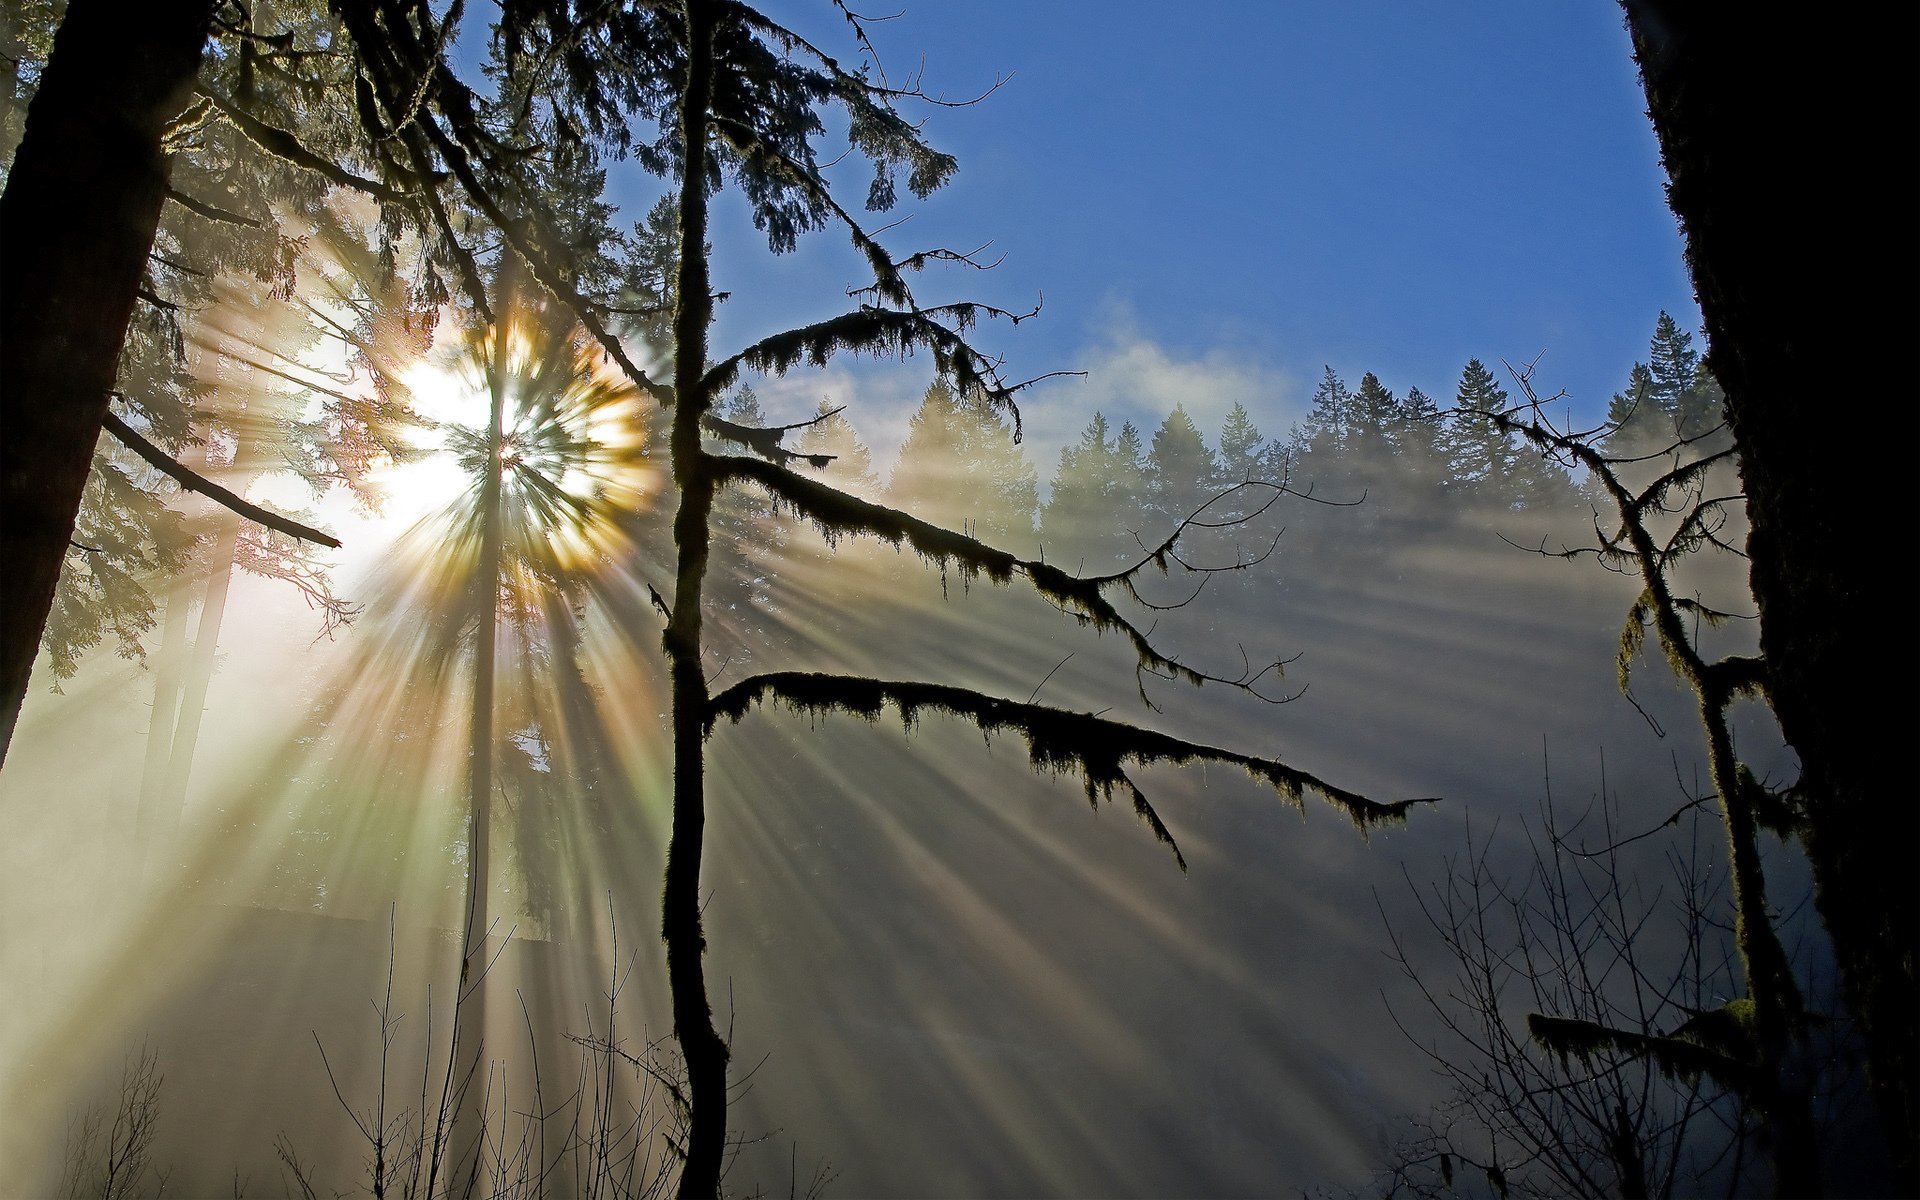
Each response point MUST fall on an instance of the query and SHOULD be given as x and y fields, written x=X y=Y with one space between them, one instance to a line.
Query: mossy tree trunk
x=701 y=1047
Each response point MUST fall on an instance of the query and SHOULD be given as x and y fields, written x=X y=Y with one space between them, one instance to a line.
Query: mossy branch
x=836 y=515
x=284 y=145
x=885 y=331
x=1058 y=742
x=1717 y=1044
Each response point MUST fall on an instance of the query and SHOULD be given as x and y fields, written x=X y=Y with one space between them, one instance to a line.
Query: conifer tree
x=1181 y=471
x=1423 y=454
x=1329 y=419
x=1376 y=417
x=1241 y=447
x=831 y=435
x=961 y=466
x=1079 y=525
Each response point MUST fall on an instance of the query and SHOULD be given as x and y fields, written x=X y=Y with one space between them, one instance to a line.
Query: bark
x=701 y=1047
x=1782 y=226
x=76 y=225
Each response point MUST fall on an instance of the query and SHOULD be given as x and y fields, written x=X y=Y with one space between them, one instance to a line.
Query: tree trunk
x=76 y=225
x=680 y=926
x=470 y=1009
x=1782 y=227
x=199 y=676
x=167 y=672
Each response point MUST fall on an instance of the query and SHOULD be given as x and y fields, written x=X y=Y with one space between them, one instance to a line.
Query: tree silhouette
x=1654 y=527
x=742 y=108
x=1181 y=470
x=1096 y=504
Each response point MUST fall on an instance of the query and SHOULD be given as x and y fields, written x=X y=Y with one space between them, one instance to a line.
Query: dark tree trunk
x=76 y=226
x=680 y=925
x=1788 y=139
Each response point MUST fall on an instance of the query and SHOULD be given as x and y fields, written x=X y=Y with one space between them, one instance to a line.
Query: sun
x=572 y=448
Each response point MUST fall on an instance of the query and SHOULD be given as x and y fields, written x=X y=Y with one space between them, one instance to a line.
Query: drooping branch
x=885 y=331
x=1058 y=741
x=194 y=482
x=765 y=440
x=837 y=514
x=284 y=145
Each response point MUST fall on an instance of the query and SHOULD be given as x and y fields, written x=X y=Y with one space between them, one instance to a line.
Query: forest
x=503 y=698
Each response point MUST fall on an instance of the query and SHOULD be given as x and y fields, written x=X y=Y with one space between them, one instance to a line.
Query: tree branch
x=1058 y=741
x=194 y=482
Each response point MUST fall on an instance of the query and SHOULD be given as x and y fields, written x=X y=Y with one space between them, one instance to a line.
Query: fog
x=941 y=973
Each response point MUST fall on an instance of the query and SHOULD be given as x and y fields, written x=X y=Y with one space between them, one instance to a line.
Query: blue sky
x=1216 y=200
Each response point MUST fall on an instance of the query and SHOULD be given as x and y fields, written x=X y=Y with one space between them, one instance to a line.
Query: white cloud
x=1132 y=377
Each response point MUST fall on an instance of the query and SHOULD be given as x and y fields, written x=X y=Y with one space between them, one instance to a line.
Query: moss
x=1058 y=742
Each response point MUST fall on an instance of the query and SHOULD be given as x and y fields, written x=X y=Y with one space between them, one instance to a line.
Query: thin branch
x=194 y=482
x=211 y=212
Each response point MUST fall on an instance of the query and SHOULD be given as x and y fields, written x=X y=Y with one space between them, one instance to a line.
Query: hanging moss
x=1058 y=742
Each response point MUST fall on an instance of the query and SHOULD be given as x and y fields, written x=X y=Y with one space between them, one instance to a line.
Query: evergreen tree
x=1372 y=427
x=1423 y=451
x=1241 y=447
x=1329 y=419
x=1482 y=457
x=1182 y=473
x=1672 y=364
x=1093 y=509
x=1640 y=425
x=851 y=469
x=961 y=464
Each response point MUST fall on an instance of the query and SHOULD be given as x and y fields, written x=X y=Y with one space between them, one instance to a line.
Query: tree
x=1731 y=99
x=1328 y=421
x=1481 y=455
x=961 y=466
x=742 y=108
x=1671 y=395
x=1574 y=936
x=1372 y=429
x=1181 y=471
x=1094 y=500
x=1654 y=528
x=1240 y=447
x=82 y=200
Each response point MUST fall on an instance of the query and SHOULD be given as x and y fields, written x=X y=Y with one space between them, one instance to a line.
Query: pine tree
x=1376 y=416
x=1423 y=453
x=1182 y=473
x=830 y=433
x=1241 y=447
x=1672 y=364
x=1670 y=397
x=1482 y=457
x=961 y=466
x=1640 y=425
x=1329 y=420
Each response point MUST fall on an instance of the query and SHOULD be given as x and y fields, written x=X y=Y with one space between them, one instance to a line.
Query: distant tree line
x=1402 y=462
